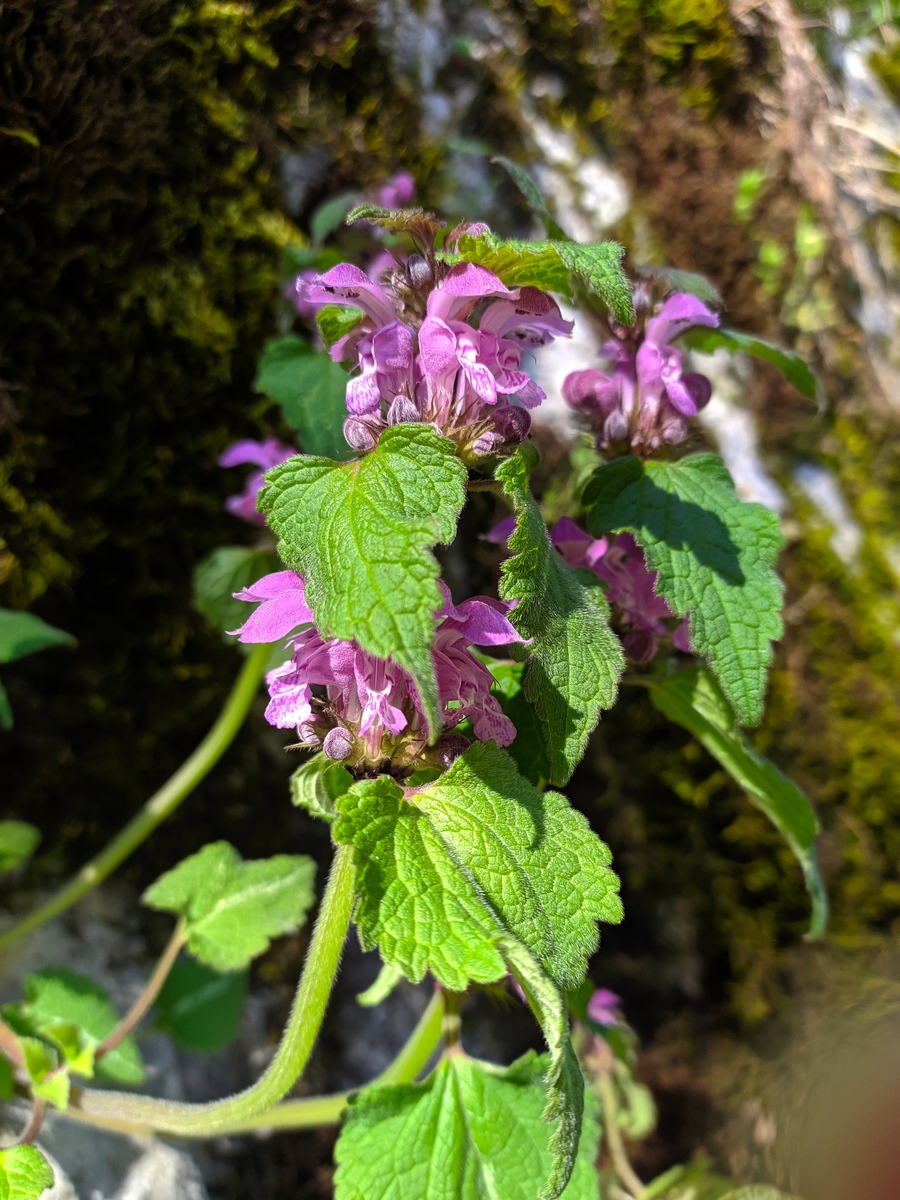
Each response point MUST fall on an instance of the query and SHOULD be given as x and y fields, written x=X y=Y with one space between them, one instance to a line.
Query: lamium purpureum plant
x=433 y=728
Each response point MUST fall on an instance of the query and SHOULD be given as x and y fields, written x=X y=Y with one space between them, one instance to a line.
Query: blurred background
x=158 y=157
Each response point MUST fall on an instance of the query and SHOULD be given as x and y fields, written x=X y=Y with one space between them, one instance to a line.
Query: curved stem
x=35 y=1121
x=201 y=1120
x=327 y=1110
x=142 y=1005
x=323 y=1110
x=160 y=805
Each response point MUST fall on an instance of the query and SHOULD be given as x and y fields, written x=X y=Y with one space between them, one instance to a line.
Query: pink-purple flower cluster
x=647 y=398
x=640 y=616
x=263 y=455
x=365 y=711
x=438 y=344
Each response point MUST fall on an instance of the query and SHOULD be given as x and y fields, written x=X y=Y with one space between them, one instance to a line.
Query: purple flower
x=603 y=1007
x=648 y=397
x=619 y=562
x=431 y=363
x=398 y=191
x=365 y=710
x=264 y=455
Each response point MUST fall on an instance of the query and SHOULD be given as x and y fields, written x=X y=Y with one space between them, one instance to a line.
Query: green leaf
x=41 y=1063
x=24 y=1173
x=23 y=633
x=444 y=870
x=336 y=320
x=311 y=390
x=329 y=216
x=7 y=1080
x=599 y=268
x=388 y=978
x=693 y=699
x=226 y=570
x=200 y=1008
x=6 y=713
x=689 y=1181
x=74 y=1013
x=795 y=369
x=18 y=841
x=683 y=281
x=530 y=191
x=553 y=265
x=715 y=556
x=576 y=659
x=527 y=750
x=317 y=783
x=231 y=909
x=563 y=1077
x=471 y=1131
x=361 y=536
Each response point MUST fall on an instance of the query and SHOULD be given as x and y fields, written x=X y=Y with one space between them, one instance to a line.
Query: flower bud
x=403 y=411
x=358 y=434
x=338 y=743
x=615 y=427
x=419 y=273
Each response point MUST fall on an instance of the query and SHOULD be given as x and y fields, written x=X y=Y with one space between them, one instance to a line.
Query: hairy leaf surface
x=317 y=783
x=231 y=909
x=693 y=699
x=24 y=1173
x=553 y=266
x=469 y=1132
x=311 y=390
x=445 y=870
x=362 y=534
x=576 y=659
x=715 y=556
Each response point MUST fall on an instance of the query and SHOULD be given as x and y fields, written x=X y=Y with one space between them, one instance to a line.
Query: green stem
x=116 y=1109
x=328 y=1110
x=613 y=1133
x=160 y=805
x=325 y=1110
x=142 y=1005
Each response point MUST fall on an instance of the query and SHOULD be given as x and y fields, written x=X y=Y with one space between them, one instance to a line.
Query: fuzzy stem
x=623 y=1167
x=327 y=1110
x=142 y=1005
x=321 y=1110
x=160 y=805
x=201 y=1120
x=35 y=1121
x=9 y=1045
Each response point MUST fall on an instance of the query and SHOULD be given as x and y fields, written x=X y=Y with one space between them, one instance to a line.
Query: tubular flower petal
x=365 y=711
x=264 y=455
x=647 y=398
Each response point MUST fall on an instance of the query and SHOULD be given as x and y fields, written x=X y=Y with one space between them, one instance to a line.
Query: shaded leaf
x=715 y=556
x=362 y=534
x=575 y=658
x=200 y=1008
x=693 y=699
x=794 y=368
x=226 y=570
x=231 y=909
x=527 y=750
x=328 y=216
x=336 y=320
x=684 y=281
x=18 y=841
x=317 y=783
x=530 y=191
x=23 y=633
x=311 y=390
